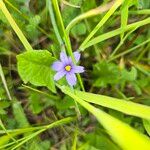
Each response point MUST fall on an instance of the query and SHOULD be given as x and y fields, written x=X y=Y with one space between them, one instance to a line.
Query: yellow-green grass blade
x=121 y=105
x=102 y=21
x=37 y=130
x=15 y=26
x=113 y=33
x=124 y=135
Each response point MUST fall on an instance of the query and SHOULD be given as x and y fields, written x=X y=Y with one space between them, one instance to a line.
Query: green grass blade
x=52 y=17
x=52 y=125
x=124 y=106
x=113 y=33
x=15 y=26
x=4 y=139
x=121 y=133
x=4 y=82
x=66 y=38
x=102 y=22
x=90 y=13
x=129 y=51
x=146 y=124
x=19 y=115
x=124 y=15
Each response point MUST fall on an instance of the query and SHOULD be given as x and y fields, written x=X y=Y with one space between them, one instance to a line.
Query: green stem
x=102 y=22
x=121 y=42
x=15 y=27
x=66 y=38
x=52 y=17
x=41 y=129
x=113 y=33
x=5 y=83
x=91 y=13
x=130 y=50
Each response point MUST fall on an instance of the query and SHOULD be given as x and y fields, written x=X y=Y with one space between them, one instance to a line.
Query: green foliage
x=79 y=30
x=68 y=13
x=32 y=27
x=2 y=18
x=147 y=126
x=20 y=115
x=143 y=4
x=105 y=73
x=116 y=104
x=99 y=141
x=38 y=102
x=110 y=74
x=115 y=128
x=116 y=70
x=43 y=145
x=34 y=67
x=3 y=105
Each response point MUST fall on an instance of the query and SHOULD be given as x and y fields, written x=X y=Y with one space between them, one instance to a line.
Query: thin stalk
x=5 y=83
x=74 y=145
x=5 y=130
x=102 y=22
x=69 y=4
x=26 y=17
x=121 y=42
x=52 y=17
x=40 y=92
x=130 y=50
x=15 y=27
x=88 y=14
x=142 y=53
x=66 y=38
x=97 y=51
x=52 y=125
x=113 y=33
x=40 y=130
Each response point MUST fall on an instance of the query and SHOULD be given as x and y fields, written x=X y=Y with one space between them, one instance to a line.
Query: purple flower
x=65 y=67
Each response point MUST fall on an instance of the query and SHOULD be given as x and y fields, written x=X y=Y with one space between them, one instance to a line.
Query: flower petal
x=64 y=58
x=77 y=56
x=59 y=75
x=57 y=65
x=78 y=69
x=71 y=79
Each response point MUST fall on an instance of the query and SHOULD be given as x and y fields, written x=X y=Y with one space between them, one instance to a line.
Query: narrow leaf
x=121 y=133
x=124 y=106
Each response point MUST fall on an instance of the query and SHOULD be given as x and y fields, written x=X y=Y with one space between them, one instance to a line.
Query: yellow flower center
x=68 y=68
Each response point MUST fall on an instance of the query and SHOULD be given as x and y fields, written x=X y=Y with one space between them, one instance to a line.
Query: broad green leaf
x=124 y=106
x=35 y=67
x=146 y=124
x=120 y=132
